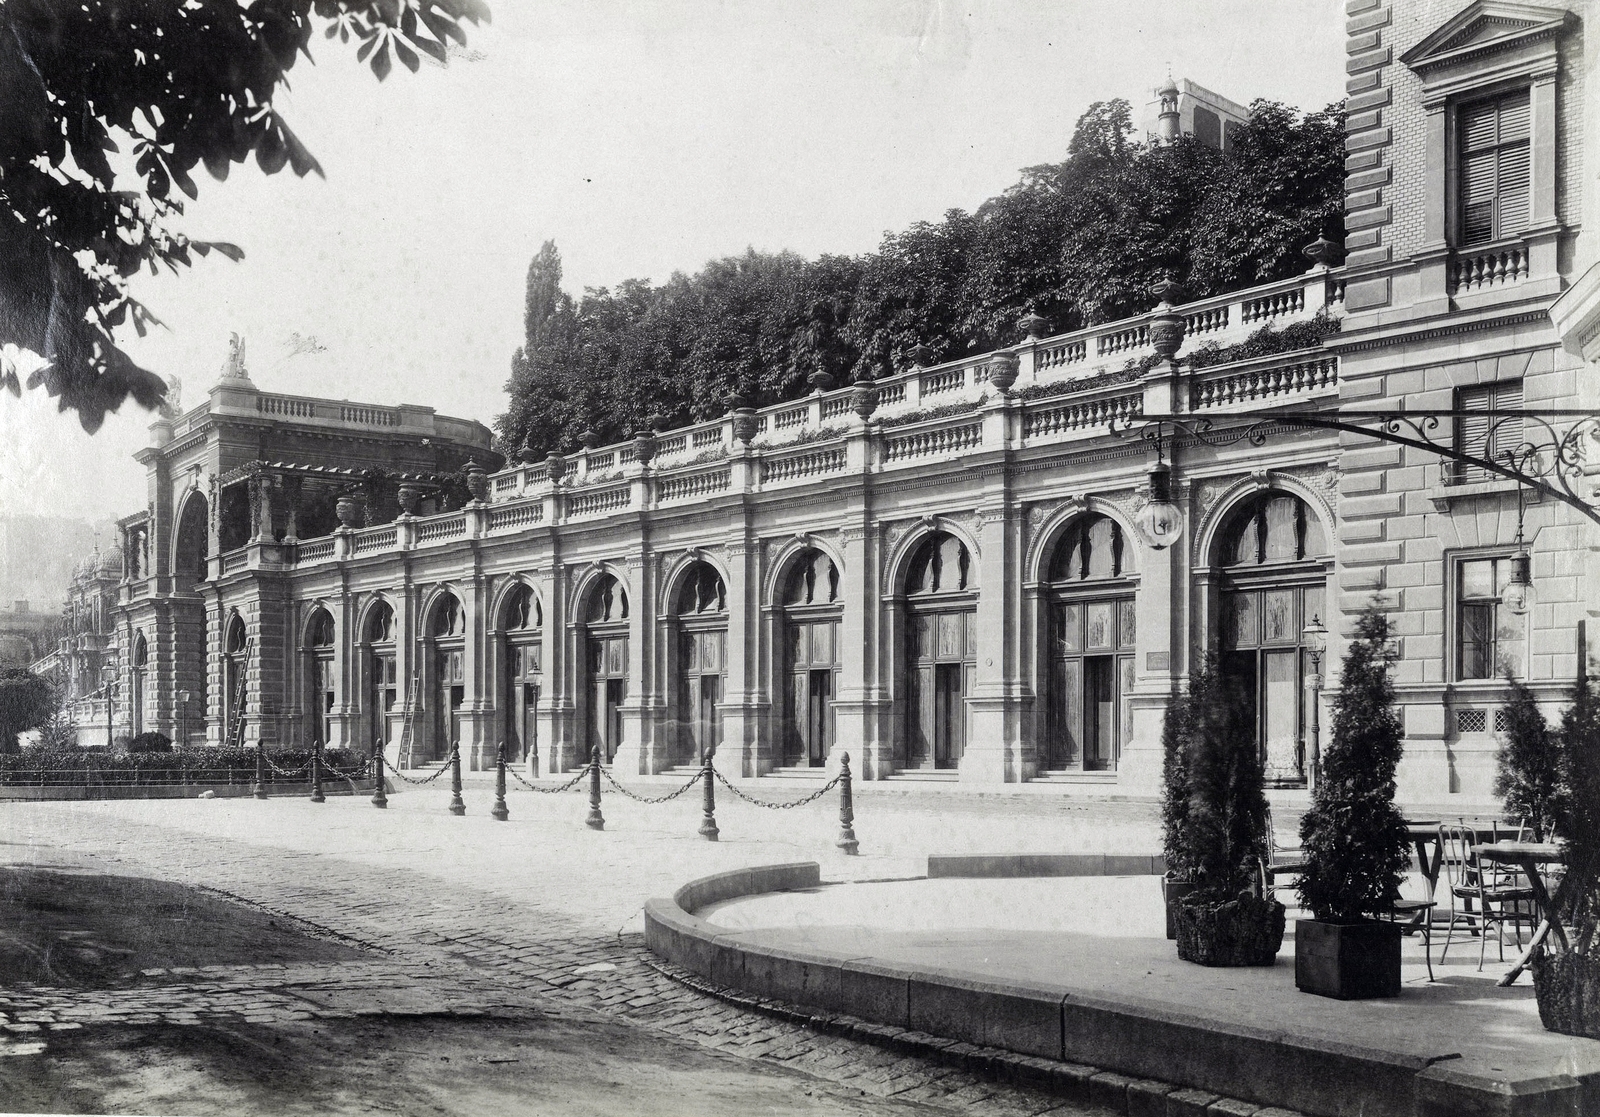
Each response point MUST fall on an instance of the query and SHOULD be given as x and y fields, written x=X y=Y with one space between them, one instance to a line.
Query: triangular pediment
x=1486 y=27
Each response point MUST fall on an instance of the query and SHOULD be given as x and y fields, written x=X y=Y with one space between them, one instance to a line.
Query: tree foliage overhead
x=1079 y=242
x=106 y=109
x=26 y=702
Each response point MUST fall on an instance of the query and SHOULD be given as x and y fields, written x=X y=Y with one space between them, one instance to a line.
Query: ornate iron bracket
x=1547 y=451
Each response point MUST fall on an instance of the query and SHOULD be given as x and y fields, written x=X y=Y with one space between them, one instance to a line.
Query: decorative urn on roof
x=864 y=396
x=409 y=494
x=644 y=445
x=921 y=354
x=348 y=509
x=555 y=465
x=1003 y=371
x=1166 y=324
x=1034 y=326
x=477 y=481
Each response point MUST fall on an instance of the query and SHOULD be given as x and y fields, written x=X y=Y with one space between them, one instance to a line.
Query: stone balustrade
x=1491 y=266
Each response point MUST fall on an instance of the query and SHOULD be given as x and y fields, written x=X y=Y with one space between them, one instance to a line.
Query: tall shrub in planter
x=1353 y=836
x=1178 y=880
x=1225 y=921
x=1529 y=780
x=1567 y=982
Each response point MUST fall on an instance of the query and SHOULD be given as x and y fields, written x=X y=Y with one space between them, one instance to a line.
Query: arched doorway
x=138 y=662
x=1273 y=556
x=941 y=651
x=378 y=670
x=235 y=656
x=446 y=681
x=605 y=666
x=700 y=660
x=318 y=674
x=810 y=600
x=1090 y=633
x=192 y=544
x=522 y=623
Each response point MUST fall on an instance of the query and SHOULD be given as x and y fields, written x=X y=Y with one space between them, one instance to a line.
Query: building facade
x=950 y=573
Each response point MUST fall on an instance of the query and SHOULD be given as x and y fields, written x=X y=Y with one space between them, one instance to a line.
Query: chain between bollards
x=316 y=773
x=457 y=806
x=500 y=813
x=847 y=810
x=595 y=821
x=261 y=771
x=379 y=798
x=708 y=823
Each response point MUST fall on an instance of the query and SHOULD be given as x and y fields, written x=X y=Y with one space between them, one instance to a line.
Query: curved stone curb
x=1145 y=1041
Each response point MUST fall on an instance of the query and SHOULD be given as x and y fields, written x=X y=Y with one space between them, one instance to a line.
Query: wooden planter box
x=1348 y=961
x=1172 y=891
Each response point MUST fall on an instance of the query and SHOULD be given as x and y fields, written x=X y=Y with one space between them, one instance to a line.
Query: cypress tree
x=1354 y=837
x=1529 y=778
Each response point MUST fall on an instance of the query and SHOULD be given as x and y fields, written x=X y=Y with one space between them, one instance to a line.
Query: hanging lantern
x=1519 y=595
x=1160 y=519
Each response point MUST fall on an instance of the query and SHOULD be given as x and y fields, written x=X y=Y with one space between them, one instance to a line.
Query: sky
x=644 y=138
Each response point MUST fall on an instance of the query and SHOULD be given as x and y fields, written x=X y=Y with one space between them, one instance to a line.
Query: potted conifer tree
x=1178 y=880
x=1354 y=838
x=1530 y=776
x=1226 y=920
x=1567 y=982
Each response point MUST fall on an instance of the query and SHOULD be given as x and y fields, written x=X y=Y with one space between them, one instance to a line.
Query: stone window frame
x=1453 y=77
x=1456 y=600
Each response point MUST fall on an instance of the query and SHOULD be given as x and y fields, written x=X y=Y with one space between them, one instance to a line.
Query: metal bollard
x=499 y=812
x=595 y=821
x=457 y=807
x=261 y=772
x=379 y=798
x=708 y=823
x=847 y=809
x=316 y=773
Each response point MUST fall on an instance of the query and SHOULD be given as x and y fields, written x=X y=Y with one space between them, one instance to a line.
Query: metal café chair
x=1499 y=899
x=1284 y=861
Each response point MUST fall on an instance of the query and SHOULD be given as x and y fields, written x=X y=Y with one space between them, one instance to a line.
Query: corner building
x=943 y=573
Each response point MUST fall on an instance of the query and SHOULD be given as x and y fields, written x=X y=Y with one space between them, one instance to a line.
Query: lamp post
x=108 y=680
x=183 y=718
x=1315 y=639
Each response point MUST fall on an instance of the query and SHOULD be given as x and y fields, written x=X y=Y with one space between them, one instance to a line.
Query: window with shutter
x=1494 y=168
x=1489 y=434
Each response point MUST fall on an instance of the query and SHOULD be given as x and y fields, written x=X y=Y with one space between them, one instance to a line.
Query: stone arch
x=681 y=569
x=1215 y=518
x=374 y=607
x=899 y=563
x=593 y=576
x=440 y=596
x=191 y=542
x=1042 y=548
x=507 y=595
x=312 y=631
x=781 y=566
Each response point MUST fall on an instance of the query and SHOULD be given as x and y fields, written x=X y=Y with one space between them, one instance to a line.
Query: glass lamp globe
x=1315 y=636
x=1160 y=519
x=1518 y=594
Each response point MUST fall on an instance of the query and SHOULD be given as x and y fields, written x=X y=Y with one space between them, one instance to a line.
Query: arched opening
x=137 y=664
x=809 y=597
x=605 y=663
x=235 y=679
x=941 y=651
x=1272 y=552
x=446 y=680
x=699 y=647
x=319 y=677
x=1089 y=634
x=522 y=623
x=192 y=544
x=379 y=672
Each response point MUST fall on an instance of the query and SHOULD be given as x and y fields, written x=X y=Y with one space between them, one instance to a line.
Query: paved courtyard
x=514 y=943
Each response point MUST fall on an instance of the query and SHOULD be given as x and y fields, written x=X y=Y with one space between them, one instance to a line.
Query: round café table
x=1529 y=856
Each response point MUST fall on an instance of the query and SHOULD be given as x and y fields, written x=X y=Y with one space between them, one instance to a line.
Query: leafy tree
x=26 y=702
x=1079 y=242
x=1529 y=781
x=99 y=94
x=1353 y=836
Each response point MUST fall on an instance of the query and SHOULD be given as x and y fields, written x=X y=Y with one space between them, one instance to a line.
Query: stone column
x=477 y=715
x=402 y=745
x=640 y=752
x=1161 y=613
x=747 y=748
x=862 y=707
x=559 y=750
x=1001 y=698
x=347 y=673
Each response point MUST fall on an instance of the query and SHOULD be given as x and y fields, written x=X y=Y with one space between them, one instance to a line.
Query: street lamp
x=1160 y=519
x=183 y=718
x=1315 y=638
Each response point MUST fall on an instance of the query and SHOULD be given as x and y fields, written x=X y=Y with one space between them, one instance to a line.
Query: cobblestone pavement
x=466 y=916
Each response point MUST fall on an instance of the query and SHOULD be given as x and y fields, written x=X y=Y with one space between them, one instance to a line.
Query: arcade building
x=979 y=572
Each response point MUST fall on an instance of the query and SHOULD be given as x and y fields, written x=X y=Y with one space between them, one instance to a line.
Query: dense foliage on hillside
x=1079 y=242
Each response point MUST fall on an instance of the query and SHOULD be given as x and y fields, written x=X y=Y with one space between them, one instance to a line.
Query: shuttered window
x=1486 y=435
x=1494 y=168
